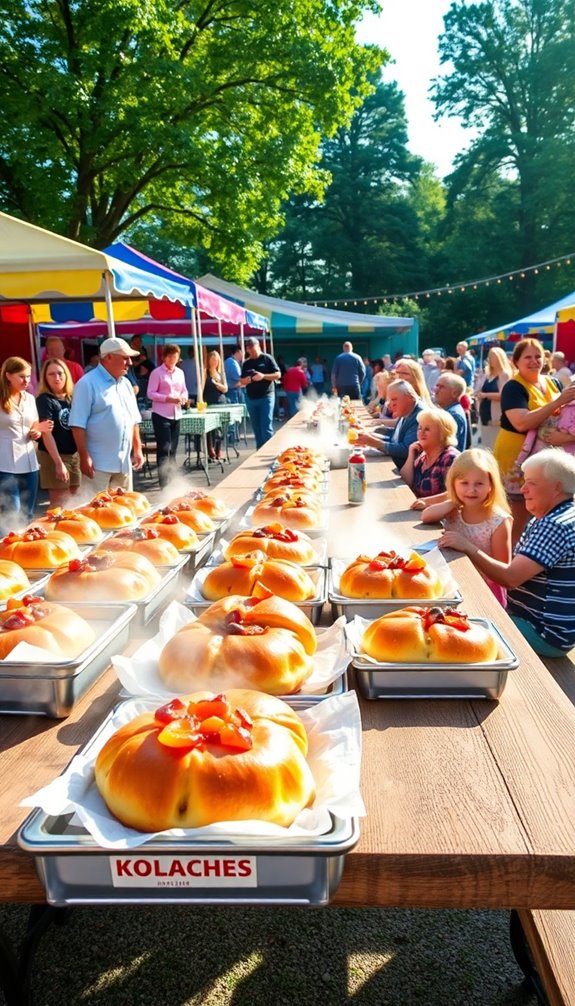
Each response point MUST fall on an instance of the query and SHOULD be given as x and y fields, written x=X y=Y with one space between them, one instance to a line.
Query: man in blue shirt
x=347 y=373
x=405 y=407
x=540 y=579
x=448 y=390
x=465 y=365
x=104 y=420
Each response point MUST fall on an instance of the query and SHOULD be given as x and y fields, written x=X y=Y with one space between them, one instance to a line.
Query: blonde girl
x=476 y=510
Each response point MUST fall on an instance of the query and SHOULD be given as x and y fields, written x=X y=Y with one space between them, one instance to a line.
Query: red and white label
x=183 y=871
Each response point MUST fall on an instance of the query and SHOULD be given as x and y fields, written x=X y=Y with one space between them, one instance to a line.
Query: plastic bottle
x=356 y=483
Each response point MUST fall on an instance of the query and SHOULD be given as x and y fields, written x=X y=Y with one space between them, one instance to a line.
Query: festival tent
x=294 y=323
x=540 y=325
x=564 y=340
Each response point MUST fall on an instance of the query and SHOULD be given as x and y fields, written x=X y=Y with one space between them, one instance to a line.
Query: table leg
x=16 y=969
x=522 y=954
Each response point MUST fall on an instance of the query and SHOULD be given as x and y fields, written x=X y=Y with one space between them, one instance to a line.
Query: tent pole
x=220 y=333
x=271 y=342
x=197 y=344
x=34 y=343
x=242 y=339
x=109 y=306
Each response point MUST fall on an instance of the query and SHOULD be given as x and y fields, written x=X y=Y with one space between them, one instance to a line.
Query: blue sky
x=408 y=29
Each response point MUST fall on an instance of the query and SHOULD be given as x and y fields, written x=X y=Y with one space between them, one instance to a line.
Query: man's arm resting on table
x=509 y=575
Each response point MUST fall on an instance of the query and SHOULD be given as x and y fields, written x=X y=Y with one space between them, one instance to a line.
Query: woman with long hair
x=215 y=388
x=411 y=371
x=59 y=459
x=498 y=371
x=20 y=429
x=527 y=400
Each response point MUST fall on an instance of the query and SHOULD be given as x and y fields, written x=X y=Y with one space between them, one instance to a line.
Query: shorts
x=536 y=641
x=48 y=478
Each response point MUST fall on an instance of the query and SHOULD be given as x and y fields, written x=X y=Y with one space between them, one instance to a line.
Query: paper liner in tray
x=434 y=559
x=334 y=756
x=139 y=674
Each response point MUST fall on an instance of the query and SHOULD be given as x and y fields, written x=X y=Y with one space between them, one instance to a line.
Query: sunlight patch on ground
x=361 y=968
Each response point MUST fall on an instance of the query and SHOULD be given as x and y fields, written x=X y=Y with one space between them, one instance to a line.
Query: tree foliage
x=204 y=115
x=512 y=76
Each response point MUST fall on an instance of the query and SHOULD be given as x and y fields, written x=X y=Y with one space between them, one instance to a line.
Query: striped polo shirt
x=547 y=601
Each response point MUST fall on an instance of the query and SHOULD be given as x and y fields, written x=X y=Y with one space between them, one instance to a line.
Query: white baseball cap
x=117 y=346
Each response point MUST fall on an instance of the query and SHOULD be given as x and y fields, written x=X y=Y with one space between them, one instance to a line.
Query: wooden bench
x=549 y=962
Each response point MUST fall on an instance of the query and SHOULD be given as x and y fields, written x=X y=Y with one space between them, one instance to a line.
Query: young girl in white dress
x=476 y=509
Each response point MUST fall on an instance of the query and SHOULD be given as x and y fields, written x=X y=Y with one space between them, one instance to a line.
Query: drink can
x=356 y=482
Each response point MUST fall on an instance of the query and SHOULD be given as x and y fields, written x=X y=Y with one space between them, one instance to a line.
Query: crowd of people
x=489 y=454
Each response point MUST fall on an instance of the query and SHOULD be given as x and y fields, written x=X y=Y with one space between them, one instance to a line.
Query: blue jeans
x=18 y=493
x=535 y=640
x=293 y=398
x=261 y=412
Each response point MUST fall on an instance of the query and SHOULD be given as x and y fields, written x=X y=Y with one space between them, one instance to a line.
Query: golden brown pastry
x=146 y=541
x=196 y=519
x=295 y=511
x=104 y=576
x=107 y=514
x=81 y=528
x=277 y=541
x=214 y=507
x=39 y=548
x=389 y=575
x=428 y=635
x=300 y=481
x=171 y=528
x=206 y=758
x=241 y=574
x=52 y=627
x=137 y=502
x=240 y=642
x=13 y=579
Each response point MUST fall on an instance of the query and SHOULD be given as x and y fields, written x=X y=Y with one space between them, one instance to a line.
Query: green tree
x=512 y=77
x=204 y=115
x=363 y=238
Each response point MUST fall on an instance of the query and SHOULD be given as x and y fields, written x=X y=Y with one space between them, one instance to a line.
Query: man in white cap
x=104 y=420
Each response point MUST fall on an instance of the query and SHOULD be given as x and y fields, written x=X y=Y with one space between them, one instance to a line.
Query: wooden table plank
x=470 y=804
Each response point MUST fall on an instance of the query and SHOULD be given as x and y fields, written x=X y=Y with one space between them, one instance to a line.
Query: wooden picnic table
x=469 y=803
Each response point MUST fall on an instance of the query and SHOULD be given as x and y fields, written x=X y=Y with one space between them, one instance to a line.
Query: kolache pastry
x=277 y=541
x=137 y=502
x=241 y=573
x=204 y=758
x=104 y=576
x=79 y=526
x=389 y=575
x=282 y=479
x=38 y=547
x=51 y=627
x=428 y=635
x=298 y=455
x=199 y=500
x=171 y=528
x=295 y=511
x=242 y=642
x=108 y=514
x=195 y=519
x=146 y=541
x=13 y=579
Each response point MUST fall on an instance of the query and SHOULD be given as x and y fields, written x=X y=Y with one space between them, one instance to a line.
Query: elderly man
x=540 y=579
x=430 y=369
x=559 y=369
x=56 y=350
x=405 y=407
x=259 y=374
x=347 y=373
x=448 y=390
x=465 y=365
x=104 y=420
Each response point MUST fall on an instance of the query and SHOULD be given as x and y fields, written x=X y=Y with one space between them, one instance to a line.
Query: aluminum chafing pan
x=155 y=602
x=51 y=689
x=437 y=681
x=38 y=581
x=372 y=608
x=312 y=608
x=75 y=871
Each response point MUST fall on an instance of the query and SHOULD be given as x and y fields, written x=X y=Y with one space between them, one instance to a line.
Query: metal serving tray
x=373 y=607
x=437 y=681
x=312 y=608
x=154 y=603
x=76 y=871
x=51 y=689
x=38 y=581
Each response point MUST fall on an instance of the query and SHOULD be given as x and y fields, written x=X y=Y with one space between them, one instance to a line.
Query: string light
x=474 y=284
